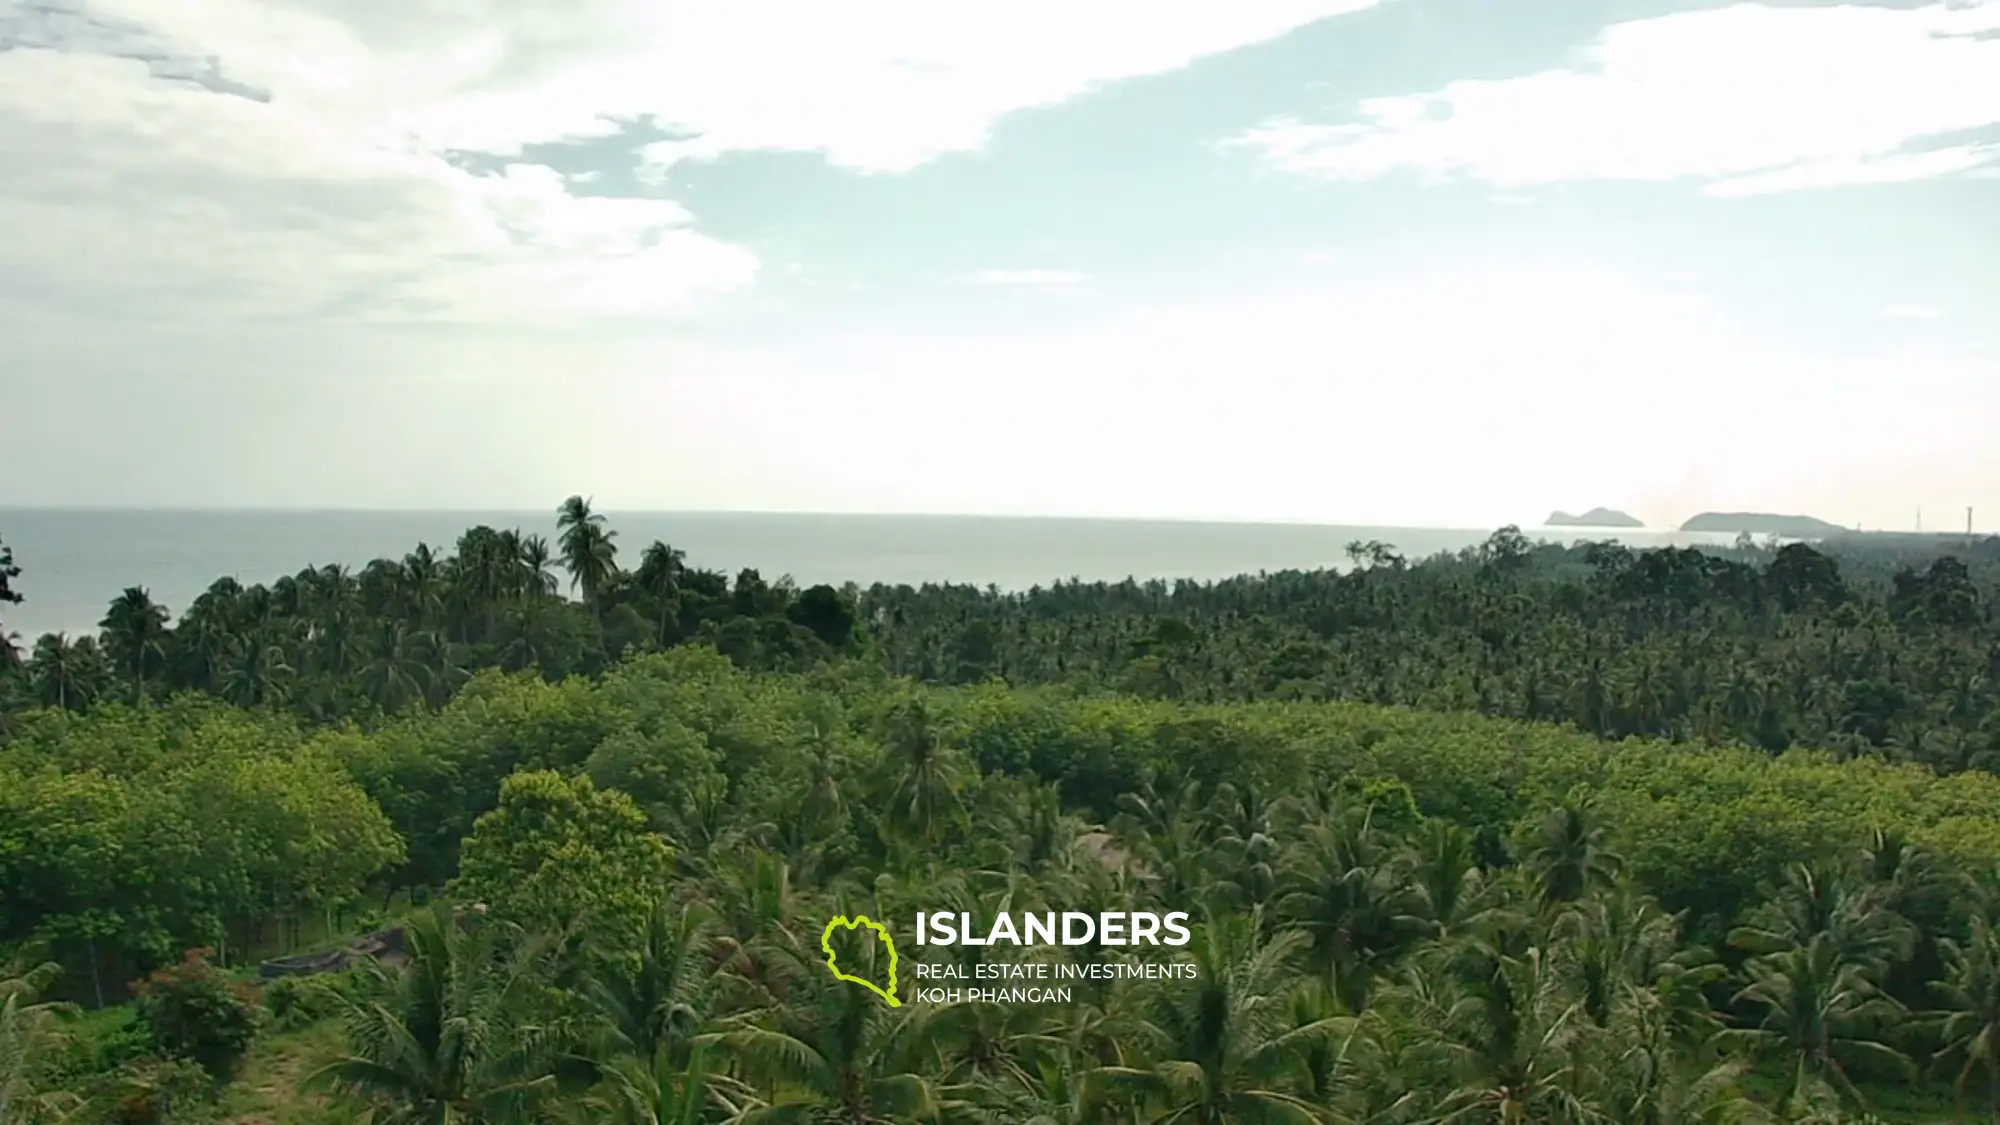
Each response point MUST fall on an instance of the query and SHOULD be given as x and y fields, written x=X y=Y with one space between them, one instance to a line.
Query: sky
x=1391 y=262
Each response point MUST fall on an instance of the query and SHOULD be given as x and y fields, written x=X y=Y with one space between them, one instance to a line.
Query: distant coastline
x=76 y=560
x=1765 y=523
x=1596 y=517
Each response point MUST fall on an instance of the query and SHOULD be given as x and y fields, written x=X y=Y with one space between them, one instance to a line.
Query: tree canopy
x=1526 y=834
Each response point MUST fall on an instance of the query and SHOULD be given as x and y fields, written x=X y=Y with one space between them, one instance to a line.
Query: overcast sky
x=1404 y=262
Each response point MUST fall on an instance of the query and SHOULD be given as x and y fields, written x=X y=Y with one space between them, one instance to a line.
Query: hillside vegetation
x=612 y=871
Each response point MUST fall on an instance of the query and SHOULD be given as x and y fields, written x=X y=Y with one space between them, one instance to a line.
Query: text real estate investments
x=1112 y=928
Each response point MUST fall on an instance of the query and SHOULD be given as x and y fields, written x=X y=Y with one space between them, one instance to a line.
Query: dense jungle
x=1527 y=833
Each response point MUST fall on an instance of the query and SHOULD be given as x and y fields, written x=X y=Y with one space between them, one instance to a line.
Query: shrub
x=99 y=1042
x=295 y=1002
x=161 y=1092
x=195 y=1012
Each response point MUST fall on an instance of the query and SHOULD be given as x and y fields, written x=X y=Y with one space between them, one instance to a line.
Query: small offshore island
x=1596 y=517
x=1764 y=523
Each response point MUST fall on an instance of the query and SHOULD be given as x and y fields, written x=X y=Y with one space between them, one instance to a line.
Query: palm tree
x=1618 y=943
x=1570 y=856
x=663 y=1091
x=135 y=633
x=833 y=1052
x=589 y=549
x=1502 y=1030
x=461 y=1035
x=65 y=674
x=925 y=793
x=9 y=654
x=1342 y=889
x=660 y=1001
x=256 y=672
x=26 y=1033
x=1815 y=901
x=1820 y=1016
x=1497 y=1027
x=396 y=674
x=1223 y=1049
x=422 y=586
x=1969 y=1025
x=444 y=665
x=1448 y=889
x=659 y=578
x=536 y=578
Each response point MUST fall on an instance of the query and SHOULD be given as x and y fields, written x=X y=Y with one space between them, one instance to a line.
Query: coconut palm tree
x=589 y=549
x=27 y=1031
x=659 y=1000
x=1820 y=1015
x=395 y=675
x=1570 y=856
x=1342 y=886
x=1224 y=1049
x=536 y=578
x=832 y=1051
x=659 y=578
x=135 y=633
x=1500 y=1028
x=924 y=797
x=1817 y=900
x=1968 y=1026
x=1448 y=890
x=255 y=673
x=660 y=1090
x=66 y=674
x=463 y=1034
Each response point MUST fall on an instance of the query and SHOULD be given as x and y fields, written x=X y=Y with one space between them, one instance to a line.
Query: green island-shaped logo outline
x=826 y=945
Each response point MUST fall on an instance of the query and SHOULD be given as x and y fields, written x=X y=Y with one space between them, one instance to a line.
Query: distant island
x=1596 y=517
x=1764 y=523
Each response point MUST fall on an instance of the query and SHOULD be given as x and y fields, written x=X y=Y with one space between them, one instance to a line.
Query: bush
x=162 y=1092
x=295 y=1002
x=99 y=1042
x=195 y=1012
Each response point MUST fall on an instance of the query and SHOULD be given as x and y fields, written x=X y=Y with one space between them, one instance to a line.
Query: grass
x=266 y=1089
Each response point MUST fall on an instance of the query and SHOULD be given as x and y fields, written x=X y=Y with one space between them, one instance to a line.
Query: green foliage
x=1407 y=911
x=156 y=1092
x=9 y=654
x=558 y=849
x=295 y=1002
x=126 y=836
x=195 y=1012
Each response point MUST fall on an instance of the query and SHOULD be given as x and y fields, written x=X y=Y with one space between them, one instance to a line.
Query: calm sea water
x=74 y=562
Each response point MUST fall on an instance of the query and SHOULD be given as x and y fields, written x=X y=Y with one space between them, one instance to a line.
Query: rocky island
x=1763 y=523
x=1596 y=517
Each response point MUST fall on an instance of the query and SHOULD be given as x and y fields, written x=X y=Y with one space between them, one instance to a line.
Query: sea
x=74 y=561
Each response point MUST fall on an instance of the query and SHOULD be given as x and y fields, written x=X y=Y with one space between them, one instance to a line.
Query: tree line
x=1403 y=916
x=1865 y=652
x=1753 y=880
x=1886 y=650
x=331 y=643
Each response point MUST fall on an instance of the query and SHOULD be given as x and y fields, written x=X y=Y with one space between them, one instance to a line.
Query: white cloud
x=1911 y=312
x=1760 y=98
x=333 y=190
x=1064 y=282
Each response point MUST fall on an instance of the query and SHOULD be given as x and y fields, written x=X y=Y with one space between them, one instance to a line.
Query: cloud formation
x=1751 y=98
x=306 y=158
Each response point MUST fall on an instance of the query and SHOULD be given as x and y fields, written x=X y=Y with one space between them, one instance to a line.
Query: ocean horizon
x=75 y=560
